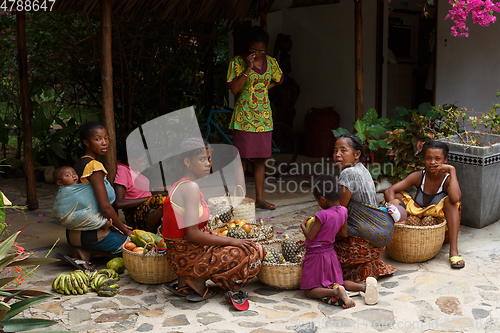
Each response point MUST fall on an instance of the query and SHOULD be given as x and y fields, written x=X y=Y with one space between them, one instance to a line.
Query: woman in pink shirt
x=141 y=208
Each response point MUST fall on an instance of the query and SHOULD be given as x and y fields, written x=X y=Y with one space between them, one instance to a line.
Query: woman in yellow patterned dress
x=250 y=77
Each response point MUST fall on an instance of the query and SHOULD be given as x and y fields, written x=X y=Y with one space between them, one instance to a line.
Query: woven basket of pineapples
x=418 y=240
x=282 y=265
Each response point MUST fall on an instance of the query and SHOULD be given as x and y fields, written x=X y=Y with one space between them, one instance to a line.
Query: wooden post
x=107 y=87
x=358 y=52
x=379 y=57
x=26 y=113
x=434 y=72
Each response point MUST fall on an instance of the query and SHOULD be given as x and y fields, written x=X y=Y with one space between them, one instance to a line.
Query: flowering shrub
x=480 y=10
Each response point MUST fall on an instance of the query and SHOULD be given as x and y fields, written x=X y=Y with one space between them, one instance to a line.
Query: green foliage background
x=158 y=67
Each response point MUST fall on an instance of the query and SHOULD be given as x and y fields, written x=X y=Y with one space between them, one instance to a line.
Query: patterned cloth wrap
x=76 y=207
x=229 y=267
x=370 y=223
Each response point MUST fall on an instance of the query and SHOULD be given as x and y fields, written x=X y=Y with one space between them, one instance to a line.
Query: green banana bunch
x=75 y=283
x=104 y=285
x=111 y=273
x=108 y=291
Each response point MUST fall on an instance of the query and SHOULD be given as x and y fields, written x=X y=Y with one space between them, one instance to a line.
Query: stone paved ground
x=420 y=297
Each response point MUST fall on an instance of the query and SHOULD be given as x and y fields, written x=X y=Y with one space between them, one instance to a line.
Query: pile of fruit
x=243 y=230
x=104 y=282
x=143 y=241
x=424 y=221
x=289 y=252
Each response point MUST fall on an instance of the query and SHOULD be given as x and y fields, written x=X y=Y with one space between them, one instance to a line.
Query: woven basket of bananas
x=278 y=272
x=148 y=268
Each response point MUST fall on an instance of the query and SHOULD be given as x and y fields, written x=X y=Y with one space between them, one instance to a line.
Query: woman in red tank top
x=193 y=252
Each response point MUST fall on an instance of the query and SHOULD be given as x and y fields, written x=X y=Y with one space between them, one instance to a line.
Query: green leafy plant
x=410 y=130
x=17 y=300
x=56 y=138
x=372 y=131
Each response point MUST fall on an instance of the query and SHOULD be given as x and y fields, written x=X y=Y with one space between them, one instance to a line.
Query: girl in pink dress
x=321 y=271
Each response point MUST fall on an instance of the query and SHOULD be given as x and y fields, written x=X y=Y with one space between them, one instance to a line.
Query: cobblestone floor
x=427 y=296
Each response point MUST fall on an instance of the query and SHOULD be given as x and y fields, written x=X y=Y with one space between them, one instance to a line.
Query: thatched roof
x=196 y=11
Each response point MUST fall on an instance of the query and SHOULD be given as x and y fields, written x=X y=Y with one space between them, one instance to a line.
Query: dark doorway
x=410 y=57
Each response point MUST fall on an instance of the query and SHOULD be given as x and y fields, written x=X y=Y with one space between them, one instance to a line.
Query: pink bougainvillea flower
x=481 y=12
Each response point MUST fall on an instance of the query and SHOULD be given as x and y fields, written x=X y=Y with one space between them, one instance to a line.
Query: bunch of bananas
x=75 y=283
x=104 y=282
x=104 y=285
x=111 y=273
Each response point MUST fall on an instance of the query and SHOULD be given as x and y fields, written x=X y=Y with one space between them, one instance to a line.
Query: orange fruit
x=129 y=246
x=138 y=250
x=247 y=228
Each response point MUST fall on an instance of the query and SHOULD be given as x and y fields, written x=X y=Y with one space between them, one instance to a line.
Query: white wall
x=468 y=68
x=323 y=56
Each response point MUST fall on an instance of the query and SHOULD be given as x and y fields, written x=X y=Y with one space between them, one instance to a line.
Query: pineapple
x=282 y=259
x=413 y=220
x=270 y=258
x=439 y=220
x=266 y=231
x=276 y=255
x=298 y=258
x=289 y=248
x=223 y=211
x=237 y=232
x=254 y=233
x=427 y=221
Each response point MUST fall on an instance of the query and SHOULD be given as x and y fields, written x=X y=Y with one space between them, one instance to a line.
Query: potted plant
x=475 y=154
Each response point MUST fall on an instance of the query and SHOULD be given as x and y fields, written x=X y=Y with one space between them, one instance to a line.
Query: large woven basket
x=245 y=210
x=151 y=268
x=416 y=243
x=280 y=276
